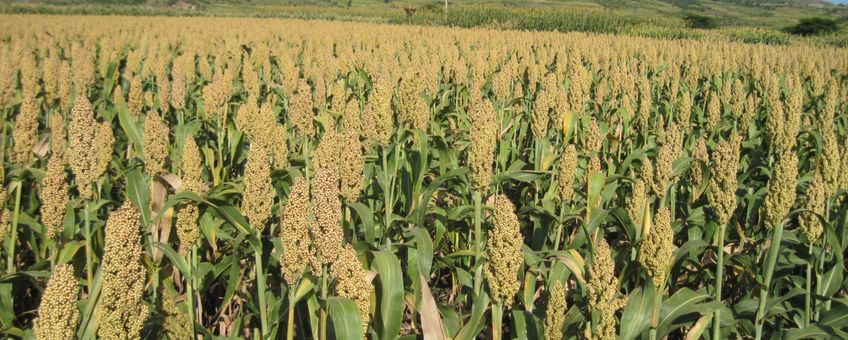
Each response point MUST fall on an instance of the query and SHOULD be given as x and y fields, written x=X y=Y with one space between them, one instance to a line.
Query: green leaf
x=139 y=193
x=366 y=216
x=390 y=294
x=345 y=321
x=128 y=124
x=526 y=325
x=175 y=258
x=685 y=301
x=424 y=249
x=475 y=324
x=637 y=314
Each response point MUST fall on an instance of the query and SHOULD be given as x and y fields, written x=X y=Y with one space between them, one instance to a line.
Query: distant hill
x=755 y=13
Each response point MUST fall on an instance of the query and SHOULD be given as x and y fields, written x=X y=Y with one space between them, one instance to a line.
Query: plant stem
x=322 y=326
x=290 y=327
x=559 y=229
x=14 y=237
x=190 y=287
x=764 y=290
x=719 y=279
x=260 y=283
x=808 y=288
x=497 y=321
x=655 y=315
x=387 y=193
x=478 y=239
x=89 y=258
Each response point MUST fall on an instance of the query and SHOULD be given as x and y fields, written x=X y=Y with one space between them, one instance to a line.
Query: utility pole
x=446 y=11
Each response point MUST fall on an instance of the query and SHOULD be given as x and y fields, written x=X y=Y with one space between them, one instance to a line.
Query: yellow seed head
x=82 y=157
x=30 y=76
x=603 y=288
x=504 y=250
x=555 y=314
x=378 y=117
x=176 y=324
x=713 y=111
x=656 y=251
x=65 y=85
x=188 y=232
x=815 y=202
x=594 y=141
x=54 y=197
x=352 y=283
x=103 y=143
x=594 y=166
x=565 y=176
x=247 y=118
x=724 y=163
x=636 y=204
x=294 y=232
x=781 y=189
x=58 y=135
x=178 y=92
x=684 y=113
x=258 y=193
x=352 y=166
x=829 y=159
x=191 y=167
x=121 y=310
x=327 y=208
x=7 y=79
x=644 y=104
x=58 y=314
x=483 y=135
x=155 y=144
x=699 y=153
x=25 y=134
x=541 y=117
x=135 y=97
x=327 y=153
x=300 y=110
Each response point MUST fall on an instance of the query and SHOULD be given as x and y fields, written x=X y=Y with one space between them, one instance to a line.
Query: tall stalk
x=89 y=271
x=808 y=287
x=387 y=193
x=260 y=283
x=478 y=240
x=497 y=321
x=290 y=325
x=322 y=322
x=655 y=313
x=14 y=236
x=764 y=290
x=719 y=280
x=190 y=287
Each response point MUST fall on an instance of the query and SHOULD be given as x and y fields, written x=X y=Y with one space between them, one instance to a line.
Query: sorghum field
x=269 y=179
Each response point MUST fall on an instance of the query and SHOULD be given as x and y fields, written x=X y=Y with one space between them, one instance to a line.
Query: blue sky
x=838 y=1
